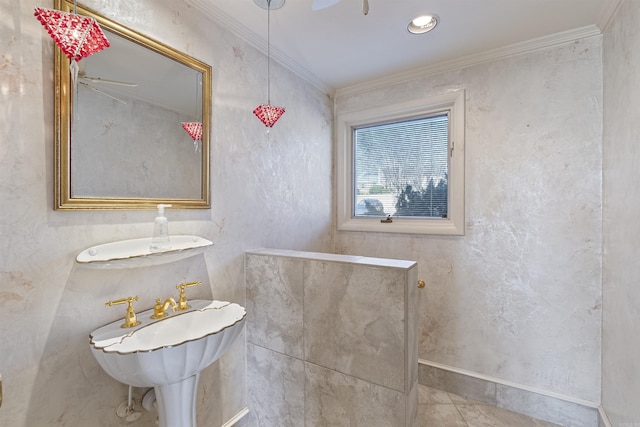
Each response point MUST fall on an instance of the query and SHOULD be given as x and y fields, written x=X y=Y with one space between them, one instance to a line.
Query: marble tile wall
x=330 y=340
x=518 y=297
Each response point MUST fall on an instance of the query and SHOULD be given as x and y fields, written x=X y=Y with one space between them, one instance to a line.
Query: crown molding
x=607 y=12
x=532 y=45
x=226 y=21
x=540 y=43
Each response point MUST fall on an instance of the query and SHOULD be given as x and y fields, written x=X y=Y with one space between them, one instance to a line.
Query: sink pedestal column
x=177 y=403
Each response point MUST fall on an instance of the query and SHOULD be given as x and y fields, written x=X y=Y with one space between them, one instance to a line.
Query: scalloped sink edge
x=169 y=353
x=203 y=319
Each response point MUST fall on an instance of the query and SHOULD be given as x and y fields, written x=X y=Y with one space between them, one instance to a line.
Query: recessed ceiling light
x=423 y=23
x=275 y=4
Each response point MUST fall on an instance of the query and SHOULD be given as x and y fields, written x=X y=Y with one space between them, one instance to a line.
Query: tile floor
x=441 y=409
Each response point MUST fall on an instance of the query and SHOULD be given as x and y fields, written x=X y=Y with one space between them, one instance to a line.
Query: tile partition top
x=352 y=259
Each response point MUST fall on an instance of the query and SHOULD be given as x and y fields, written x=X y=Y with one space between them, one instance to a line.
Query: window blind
x=402 y=166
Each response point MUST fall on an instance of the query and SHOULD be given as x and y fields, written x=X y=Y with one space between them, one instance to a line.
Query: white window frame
x=454 y=104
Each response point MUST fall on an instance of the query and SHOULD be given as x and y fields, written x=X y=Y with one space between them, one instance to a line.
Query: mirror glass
x=120 y=143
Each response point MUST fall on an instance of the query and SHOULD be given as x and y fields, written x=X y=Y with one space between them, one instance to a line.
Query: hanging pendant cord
x=269 y=52
x=75 y=7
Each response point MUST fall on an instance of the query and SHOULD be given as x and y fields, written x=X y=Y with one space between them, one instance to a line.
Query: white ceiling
x=339 y=47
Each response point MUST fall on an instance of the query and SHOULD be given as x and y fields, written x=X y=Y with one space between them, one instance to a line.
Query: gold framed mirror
x=119 y=139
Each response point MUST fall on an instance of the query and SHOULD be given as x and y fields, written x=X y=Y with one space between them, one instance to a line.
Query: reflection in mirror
x=119 y=137
x=120 y=84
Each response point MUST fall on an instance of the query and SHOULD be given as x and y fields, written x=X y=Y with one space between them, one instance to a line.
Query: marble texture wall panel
x=276 y=390
x=621 y=270
x=335 y=399
x=275 y=304
x=518 y=297
x=412 y=316
x=359 y=354
x=412 y=405
x=354 y=321
x=260 y=197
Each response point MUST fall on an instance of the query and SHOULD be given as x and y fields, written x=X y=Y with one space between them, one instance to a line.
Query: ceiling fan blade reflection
x=102 y=92
x=112 y=82
x=323 y=4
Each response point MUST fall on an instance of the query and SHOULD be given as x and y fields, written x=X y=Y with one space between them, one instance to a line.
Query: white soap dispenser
x=160 y=240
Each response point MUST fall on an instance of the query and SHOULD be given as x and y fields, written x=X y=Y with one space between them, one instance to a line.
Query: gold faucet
x=182 y=300
x=130 y=319
x=160 y=307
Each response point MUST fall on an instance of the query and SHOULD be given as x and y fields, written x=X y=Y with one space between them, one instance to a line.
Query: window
x=401 y=167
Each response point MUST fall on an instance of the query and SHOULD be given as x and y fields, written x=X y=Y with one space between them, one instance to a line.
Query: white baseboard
x=237 y=417
x=603 y=417
x=603 y=420
x=507 y=383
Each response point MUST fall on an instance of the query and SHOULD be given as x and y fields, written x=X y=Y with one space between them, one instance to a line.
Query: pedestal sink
x=168 y=354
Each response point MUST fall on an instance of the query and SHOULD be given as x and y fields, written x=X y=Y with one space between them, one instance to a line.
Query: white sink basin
x=169 y=353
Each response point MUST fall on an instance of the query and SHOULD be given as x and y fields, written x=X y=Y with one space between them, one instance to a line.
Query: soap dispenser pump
x=160 y=240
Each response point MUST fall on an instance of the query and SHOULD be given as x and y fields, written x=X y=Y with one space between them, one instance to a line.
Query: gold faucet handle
x=130 y=319
x=182 y=300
